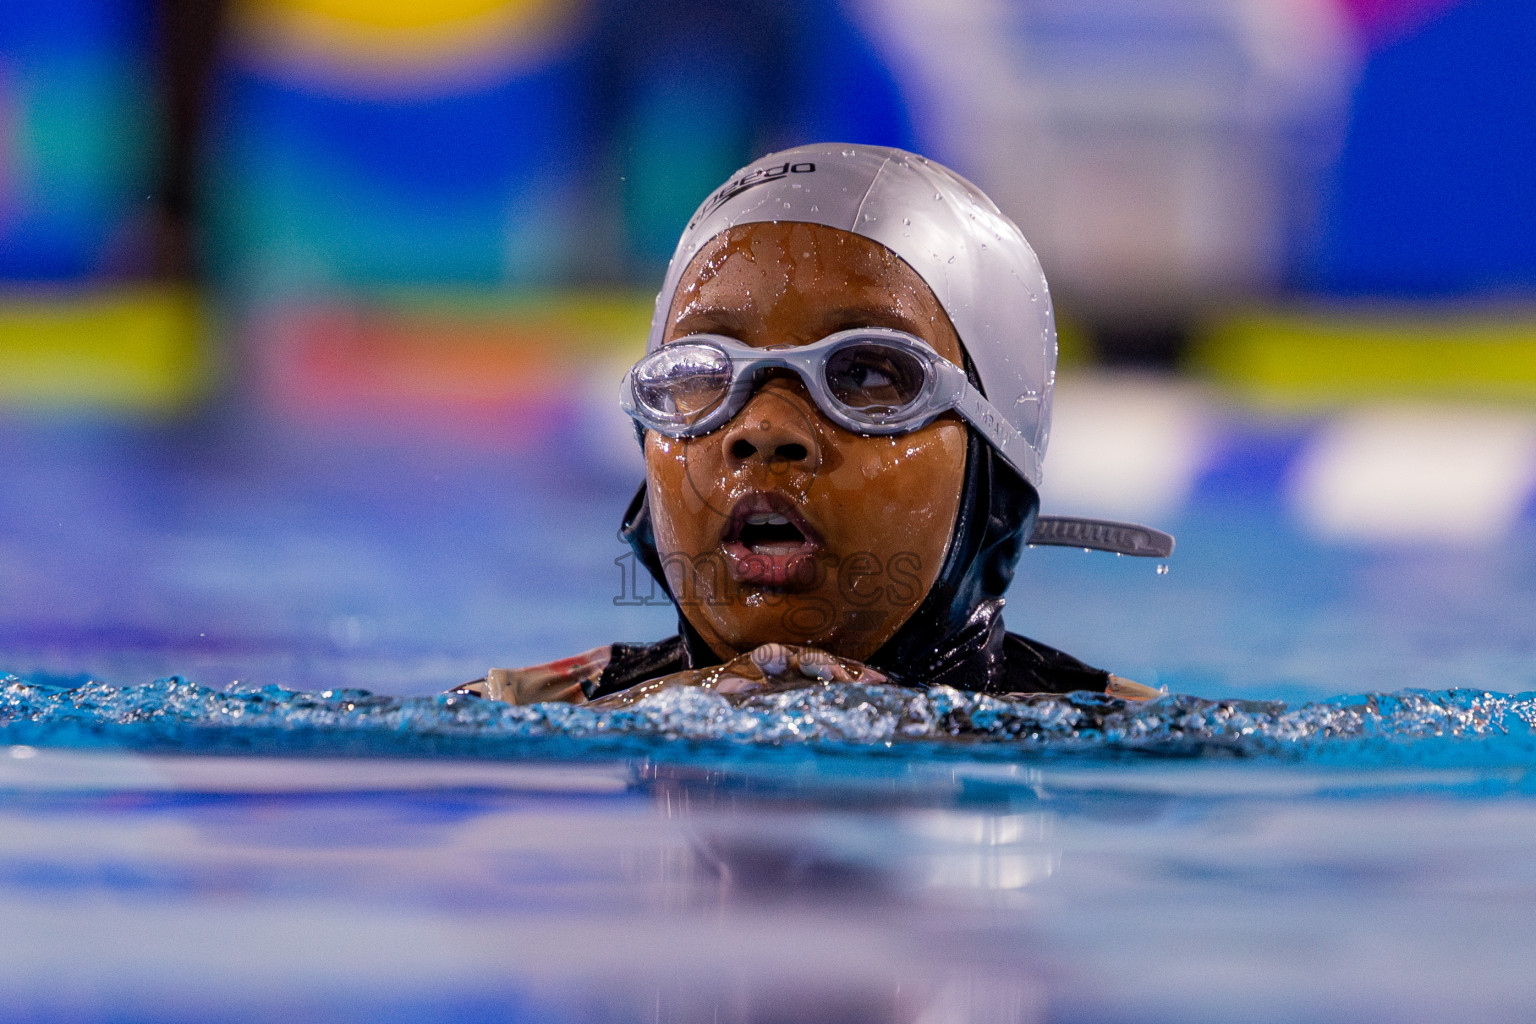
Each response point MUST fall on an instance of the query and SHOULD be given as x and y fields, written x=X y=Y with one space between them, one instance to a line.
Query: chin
x=788 y=620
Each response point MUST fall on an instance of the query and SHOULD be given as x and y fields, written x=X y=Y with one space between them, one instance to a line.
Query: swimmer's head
x=781 y=525
x=975 y=260
x=848 y=408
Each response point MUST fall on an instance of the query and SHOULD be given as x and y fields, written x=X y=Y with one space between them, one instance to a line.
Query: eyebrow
x=843 y=318
x=710 y=320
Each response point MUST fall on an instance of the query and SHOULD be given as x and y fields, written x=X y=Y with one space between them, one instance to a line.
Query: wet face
x=781 y=526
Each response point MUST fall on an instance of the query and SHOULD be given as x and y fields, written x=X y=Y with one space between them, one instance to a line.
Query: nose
x=774 y=427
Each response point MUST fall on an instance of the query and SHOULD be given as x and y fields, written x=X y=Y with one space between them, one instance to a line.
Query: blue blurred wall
x=1435 y=192
x=576 y=160
x=79 y=137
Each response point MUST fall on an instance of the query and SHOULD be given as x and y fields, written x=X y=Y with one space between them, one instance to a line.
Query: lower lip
x=784 y=568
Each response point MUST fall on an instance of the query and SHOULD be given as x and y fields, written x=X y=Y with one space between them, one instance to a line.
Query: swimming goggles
x=868 y=380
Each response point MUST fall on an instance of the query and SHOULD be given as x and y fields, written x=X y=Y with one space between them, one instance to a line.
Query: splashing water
x=1411 y=726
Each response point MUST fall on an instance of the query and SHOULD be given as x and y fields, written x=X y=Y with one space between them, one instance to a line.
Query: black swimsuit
x=1026 y=666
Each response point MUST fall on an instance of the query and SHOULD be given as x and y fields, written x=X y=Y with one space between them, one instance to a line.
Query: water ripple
x=1410 y=726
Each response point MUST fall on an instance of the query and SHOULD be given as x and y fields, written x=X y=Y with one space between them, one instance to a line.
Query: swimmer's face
x=781 y=526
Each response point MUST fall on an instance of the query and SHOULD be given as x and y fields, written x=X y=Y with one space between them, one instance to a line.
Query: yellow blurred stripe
x=1073 y=346
x=600 y=321
x=1320 y=358
x=567 y=324
x=138 y=350
x=395 y=14
x=400 y=35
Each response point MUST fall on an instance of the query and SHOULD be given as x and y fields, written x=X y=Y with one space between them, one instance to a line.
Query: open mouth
x=771 y=532
x=768 y=542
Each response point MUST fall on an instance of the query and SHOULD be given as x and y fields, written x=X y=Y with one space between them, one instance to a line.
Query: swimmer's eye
x=874 y=379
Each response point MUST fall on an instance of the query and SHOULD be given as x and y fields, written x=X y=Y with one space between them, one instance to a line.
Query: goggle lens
x=876 y=381
x=683 y=382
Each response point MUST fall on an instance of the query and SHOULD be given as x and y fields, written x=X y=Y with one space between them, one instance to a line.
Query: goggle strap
x=1102 y=535
x=974 y=408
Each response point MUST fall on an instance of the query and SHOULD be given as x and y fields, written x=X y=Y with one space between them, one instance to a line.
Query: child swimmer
x=843 y=407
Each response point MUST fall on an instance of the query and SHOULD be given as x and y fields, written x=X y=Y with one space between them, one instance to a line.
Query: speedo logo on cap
x=753 y=178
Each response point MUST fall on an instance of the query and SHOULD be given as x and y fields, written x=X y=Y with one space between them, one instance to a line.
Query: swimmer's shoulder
x=1029 y=667
x=1033 y=667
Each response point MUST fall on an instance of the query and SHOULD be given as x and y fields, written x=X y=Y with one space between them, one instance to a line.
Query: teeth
x=767 y=519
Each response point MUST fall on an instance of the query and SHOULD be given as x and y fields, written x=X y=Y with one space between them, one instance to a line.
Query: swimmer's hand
x=1125 y=689
x=770 y=668
x=1116 y=686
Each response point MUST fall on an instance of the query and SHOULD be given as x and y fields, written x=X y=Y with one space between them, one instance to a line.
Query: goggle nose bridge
x=750 y=381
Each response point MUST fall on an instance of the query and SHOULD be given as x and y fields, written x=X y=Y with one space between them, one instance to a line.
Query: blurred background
x=312 y=313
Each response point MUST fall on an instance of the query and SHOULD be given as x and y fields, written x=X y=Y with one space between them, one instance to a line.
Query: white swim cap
x=974 y=258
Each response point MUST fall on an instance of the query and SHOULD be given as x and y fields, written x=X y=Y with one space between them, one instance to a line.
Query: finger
x=814 y=664
x=771 y=659
x=736 y=684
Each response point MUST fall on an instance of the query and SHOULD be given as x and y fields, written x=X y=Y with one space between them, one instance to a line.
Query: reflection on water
x=791 y=886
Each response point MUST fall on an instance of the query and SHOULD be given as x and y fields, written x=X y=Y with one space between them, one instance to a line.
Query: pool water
x=774 y=887
x=260 y=841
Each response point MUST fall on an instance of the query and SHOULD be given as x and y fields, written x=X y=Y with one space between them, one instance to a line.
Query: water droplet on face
x=938 y=195
x=907 y=221
x=950 y=260
x=786 y=206
x=869 y=216
x=848 y=152
x=1162 y=570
